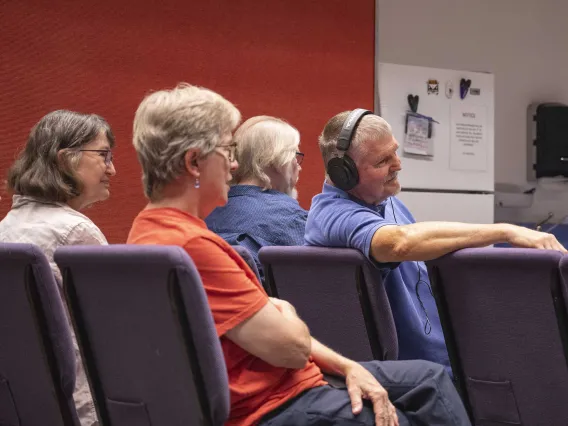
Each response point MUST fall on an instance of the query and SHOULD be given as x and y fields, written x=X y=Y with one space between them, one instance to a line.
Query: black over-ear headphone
x=342 y=170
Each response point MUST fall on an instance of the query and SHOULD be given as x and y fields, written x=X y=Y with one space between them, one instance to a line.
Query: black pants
x=421 y=391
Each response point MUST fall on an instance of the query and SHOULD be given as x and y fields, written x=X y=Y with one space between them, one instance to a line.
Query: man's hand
x=519 y=236
x=362 y=384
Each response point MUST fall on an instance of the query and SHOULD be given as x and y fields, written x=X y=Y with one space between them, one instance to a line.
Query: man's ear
x=191 y=162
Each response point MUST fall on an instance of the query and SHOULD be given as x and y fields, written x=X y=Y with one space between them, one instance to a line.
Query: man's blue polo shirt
x=337 y=219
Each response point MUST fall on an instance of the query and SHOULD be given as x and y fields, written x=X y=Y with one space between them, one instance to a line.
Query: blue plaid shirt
x=254 y=218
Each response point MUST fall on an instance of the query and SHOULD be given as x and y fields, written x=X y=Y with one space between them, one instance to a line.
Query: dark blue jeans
x=421 y=391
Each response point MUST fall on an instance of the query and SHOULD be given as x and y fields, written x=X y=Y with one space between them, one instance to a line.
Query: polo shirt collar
x=330 y=189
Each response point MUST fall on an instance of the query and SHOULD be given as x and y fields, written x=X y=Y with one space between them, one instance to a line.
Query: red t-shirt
x=234 y=295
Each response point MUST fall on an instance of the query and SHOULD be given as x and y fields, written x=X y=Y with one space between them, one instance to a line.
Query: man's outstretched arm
x=429 y=240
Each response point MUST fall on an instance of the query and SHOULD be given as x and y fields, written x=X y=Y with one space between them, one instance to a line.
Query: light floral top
x=49 y=226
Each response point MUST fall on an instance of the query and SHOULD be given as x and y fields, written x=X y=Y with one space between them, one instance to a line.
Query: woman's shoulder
x=85 y=232
x=208 y=240
x=76 y=225
x=49 y=224
x=77 y=229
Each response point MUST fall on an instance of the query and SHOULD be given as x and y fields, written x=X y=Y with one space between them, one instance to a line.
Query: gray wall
x=523 y=42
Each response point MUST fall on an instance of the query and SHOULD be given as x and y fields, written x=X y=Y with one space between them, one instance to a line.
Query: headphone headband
x=349 y=127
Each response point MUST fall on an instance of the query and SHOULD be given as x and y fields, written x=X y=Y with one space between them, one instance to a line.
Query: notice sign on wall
x=468 y=144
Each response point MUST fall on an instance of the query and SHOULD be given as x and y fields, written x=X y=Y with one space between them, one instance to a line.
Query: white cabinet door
x=449 y=207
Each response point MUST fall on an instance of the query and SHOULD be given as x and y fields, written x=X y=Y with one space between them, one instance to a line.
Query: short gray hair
x=263 y=142
x=370 y=128
x=168 y=123
x=39 y=171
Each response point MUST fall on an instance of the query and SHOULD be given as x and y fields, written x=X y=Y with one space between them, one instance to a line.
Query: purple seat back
x=561 y=303
x=334 y=292
x=499 y=319
x=147 y=335
x=37 y=360
x=247 y=257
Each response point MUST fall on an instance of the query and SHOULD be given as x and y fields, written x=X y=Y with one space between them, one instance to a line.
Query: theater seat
x=147 y=335
x=37 y=360
x=499 y=319
x=335 y=292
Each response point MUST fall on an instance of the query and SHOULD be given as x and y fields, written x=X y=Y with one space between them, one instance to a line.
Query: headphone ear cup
x=343 y=172
x=353 y=173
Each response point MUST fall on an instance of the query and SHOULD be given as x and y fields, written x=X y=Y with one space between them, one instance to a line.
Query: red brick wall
x=300 y=60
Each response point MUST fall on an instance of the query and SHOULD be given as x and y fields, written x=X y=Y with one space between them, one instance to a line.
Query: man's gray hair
x=168 y=123
x=370 y=128
x=264 y=142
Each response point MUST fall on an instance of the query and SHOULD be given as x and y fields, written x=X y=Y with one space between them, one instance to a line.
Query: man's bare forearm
x=328 y=360
x=428 y=240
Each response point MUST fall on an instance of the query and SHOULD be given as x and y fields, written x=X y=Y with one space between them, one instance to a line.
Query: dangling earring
x=196 y=183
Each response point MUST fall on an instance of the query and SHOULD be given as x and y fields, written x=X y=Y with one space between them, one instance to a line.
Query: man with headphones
x=358 y=209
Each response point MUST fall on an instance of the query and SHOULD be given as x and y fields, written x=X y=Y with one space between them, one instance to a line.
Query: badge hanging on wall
x=433 y=87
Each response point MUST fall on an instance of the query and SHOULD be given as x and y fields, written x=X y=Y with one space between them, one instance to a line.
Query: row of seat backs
x=146 y=334
x=142 y=322
x=503 y=313
x=121 y=315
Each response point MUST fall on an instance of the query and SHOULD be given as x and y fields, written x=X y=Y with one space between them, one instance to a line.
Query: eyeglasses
x=106 y=153
x=299 y=157
x=230 y=149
